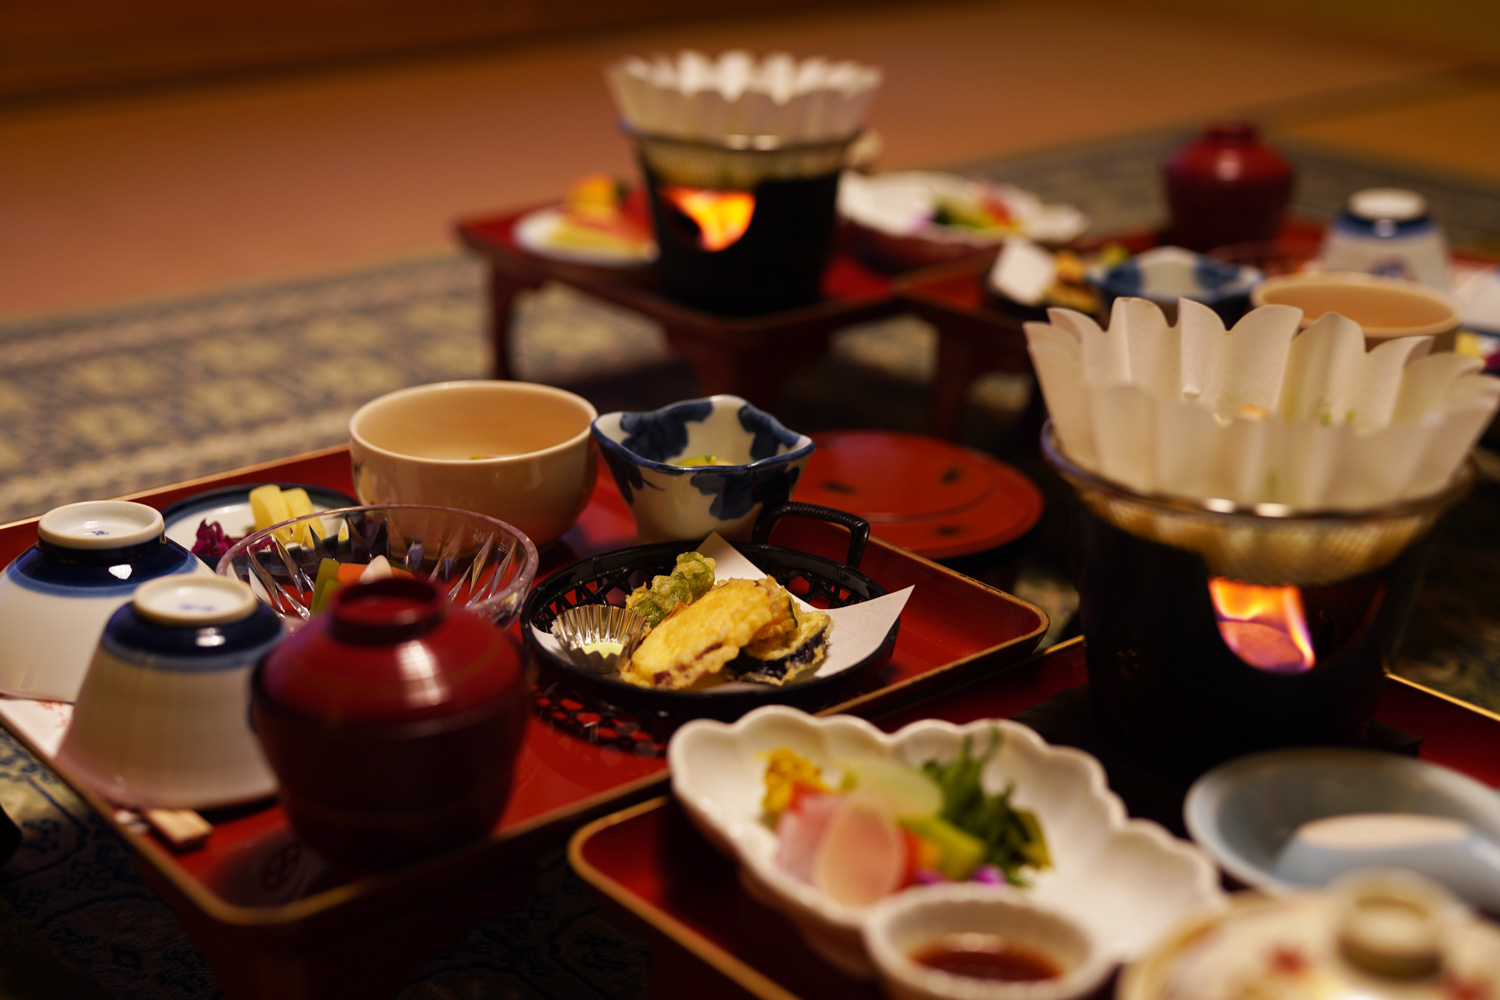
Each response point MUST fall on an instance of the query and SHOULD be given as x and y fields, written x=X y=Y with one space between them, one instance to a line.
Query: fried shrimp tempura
x=694 y=643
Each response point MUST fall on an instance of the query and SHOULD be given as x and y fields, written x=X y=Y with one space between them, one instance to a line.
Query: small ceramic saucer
x=936 y=498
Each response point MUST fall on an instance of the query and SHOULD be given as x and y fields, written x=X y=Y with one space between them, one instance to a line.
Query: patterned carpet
x=115 y=401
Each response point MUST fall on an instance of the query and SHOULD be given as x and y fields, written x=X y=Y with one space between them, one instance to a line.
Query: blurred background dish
x=1165 y=274
x=1380 y=934
x=907 y=219
x=1388 y=231
x=1384 y=307
x=478 y=562
x=701 y=465
x=517 y=451
x=938 y=942
x=1244 y=812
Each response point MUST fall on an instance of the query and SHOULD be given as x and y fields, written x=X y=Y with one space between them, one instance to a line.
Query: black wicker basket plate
x=609 y=578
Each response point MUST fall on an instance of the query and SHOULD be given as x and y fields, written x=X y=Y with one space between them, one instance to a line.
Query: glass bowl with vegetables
x=297 y=565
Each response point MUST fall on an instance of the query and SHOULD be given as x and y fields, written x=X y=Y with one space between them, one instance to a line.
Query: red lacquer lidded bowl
x=392 y=722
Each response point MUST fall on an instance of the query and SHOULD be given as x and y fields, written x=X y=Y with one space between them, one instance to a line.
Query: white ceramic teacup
x=1386 y=308
x=516 y=451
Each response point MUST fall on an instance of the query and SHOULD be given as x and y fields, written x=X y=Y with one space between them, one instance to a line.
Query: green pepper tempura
x=690 y=579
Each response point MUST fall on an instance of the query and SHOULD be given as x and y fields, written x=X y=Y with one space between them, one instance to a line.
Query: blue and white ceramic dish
x=162 y=719
x=1387 y=231
x=1165 y=274
x=57 y=595
x=700 y=466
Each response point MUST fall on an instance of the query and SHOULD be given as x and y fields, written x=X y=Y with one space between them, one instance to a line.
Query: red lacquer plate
x=936 y=498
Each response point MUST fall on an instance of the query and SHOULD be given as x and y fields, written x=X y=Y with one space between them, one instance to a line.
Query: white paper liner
x=1258 y=413
x=690 y=96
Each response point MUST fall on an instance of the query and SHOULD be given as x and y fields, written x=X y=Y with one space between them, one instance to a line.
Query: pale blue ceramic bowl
x=755 y=461
x=1243 y=812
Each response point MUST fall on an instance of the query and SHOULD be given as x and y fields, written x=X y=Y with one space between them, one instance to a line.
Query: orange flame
x=1264 y=626
x=722 y=216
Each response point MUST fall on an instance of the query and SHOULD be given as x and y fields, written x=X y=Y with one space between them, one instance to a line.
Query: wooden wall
x=57 y=46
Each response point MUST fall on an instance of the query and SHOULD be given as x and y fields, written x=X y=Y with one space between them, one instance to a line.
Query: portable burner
x=744 y=225
x=1217 y=630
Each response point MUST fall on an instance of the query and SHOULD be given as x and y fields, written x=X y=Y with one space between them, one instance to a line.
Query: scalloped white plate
x=1125 y=880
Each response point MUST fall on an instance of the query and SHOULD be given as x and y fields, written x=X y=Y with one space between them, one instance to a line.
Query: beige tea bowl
x=516 y=451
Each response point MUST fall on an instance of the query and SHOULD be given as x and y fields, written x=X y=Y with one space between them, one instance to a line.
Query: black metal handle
x=859 y=528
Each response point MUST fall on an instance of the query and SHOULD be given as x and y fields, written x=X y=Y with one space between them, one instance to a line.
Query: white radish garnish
x=862 y=856
x=379 y=569
x=909 y=791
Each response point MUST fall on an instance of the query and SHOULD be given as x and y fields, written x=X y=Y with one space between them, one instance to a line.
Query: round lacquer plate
x=936 y=498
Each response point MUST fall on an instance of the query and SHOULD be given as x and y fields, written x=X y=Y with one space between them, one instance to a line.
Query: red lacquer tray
x=712 y=938
x=272 y=921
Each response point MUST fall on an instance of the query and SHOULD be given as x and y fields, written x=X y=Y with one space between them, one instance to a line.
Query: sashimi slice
x=800 y=830
x=862 y=856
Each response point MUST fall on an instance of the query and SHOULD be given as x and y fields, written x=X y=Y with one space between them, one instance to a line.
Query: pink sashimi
x=862 y=856
x=800 y=831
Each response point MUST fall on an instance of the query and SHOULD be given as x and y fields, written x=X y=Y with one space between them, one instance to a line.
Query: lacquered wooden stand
x=750 y=356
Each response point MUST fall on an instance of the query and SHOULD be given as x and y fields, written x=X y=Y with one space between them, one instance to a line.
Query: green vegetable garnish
x=1013 y=839
x=689 y=580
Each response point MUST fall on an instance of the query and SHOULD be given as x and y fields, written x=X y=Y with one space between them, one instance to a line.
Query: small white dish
x=162 y=719
x=902 y=927
x=903 y=203
x=537 y=232
x=1245 y=813
x=230 y=509
x=56 y=596
x=743 y=459
x=1125 y=881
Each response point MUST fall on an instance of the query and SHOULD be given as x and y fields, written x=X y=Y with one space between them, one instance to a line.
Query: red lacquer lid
x=391 y=650
x=936 y=498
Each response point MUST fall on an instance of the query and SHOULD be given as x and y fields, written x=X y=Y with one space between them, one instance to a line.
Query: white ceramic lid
x=194 y=600
x=100 y=524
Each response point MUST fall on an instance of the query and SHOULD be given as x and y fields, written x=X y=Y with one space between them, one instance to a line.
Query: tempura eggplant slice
x=785 y=658
x=692 y=645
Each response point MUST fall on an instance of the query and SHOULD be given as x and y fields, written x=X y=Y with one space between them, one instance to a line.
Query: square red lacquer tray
x=711 y=937
x=260 y=905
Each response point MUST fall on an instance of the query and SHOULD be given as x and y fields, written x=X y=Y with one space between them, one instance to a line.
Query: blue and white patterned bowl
x=56 y=596
x=163 y=717
x=755 y=461
x=1165 y=274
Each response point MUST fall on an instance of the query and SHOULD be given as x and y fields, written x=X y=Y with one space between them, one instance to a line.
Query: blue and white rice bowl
x=762 y=461
x=1165 y=274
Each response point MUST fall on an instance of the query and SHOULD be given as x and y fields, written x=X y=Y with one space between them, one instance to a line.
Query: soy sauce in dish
x=987 y=956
